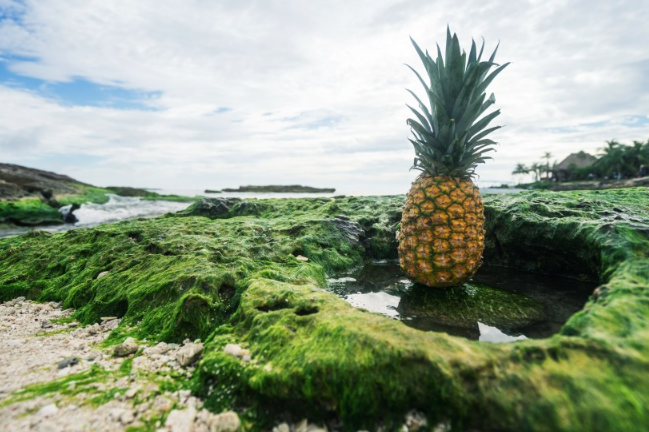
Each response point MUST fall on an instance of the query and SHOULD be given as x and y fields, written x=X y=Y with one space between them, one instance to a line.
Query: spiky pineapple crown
x=449 y=136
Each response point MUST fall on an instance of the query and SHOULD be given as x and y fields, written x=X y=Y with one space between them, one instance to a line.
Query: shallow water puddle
x=497 y=305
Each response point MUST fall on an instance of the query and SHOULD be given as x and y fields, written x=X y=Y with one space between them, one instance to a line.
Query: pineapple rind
x=442 y=231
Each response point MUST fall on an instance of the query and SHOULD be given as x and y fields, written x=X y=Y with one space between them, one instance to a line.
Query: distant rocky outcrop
x=280 y=189
x=18 y=182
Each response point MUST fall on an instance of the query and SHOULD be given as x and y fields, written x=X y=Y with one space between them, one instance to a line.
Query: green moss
x=29 y=211
x=86 y=194
x=466 y=305
x=71 y=385
x=227 y=273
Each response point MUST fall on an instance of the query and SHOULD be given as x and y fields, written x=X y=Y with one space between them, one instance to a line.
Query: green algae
x=83 y=382
x=464 y=306
x=230 y=275
x=28 y=211
x=85 y=194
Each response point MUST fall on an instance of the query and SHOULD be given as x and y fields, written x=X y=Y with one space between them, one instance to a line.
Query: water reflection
x=497 y=305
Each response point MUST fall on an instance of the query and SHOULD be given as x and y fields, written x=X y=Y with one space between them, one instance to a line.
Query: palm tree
x=537 y=169
x=547 y=156
x=611 y=161
x=521 y=170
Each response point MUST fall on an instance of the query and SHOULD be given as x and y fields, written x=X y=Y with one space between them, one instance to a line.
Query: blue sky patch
x=78 y=91
x=632 y=121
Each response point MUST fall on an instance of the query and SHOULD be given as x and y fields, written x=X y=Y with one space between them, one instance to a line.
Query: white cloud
x=315 y=89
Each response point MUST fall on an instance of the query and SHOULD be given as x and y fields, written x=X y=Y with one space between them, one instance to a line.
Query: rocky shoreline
x=58 y=376
x=248 y=278
x=32 y=197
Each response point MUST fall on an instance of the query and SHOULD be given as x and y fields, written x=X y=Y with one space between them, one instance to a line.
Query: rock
x=130 y=393
x=352 y=230
x=302 y=258
x=94 y=354
x=416 y=421
x=127 y=417
x=101 y=275
x=236 y=351
x=158 y=349
x=181 y=421
x=189 y=353
x=48 y=410
x=282 y=427
x=213 y=208
x=301 y=426
x=93 y=329
x=110 y=325
x=68 y=362
x=124 y=349
x=46 y=325
x=67 y=211
x=224 y=422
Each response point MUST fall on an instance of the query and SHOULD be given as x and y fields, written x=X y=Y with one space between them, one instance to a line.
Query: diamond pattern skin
x=441 y=240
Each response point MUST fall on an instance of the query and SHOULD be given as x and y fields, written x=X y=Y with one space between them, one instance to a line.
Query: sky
x=196 y=94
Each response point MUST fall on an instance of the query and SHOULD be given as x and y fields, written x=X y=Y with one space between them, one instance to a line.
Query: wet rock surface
x=311 y=352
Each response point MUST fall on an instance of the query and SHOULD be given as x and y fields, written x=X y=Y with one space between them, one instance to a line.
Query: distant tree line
x=616 y=161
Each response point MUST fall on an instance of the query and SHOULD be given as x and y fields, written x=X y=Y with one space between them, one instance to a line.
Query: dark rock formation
x=18 y=181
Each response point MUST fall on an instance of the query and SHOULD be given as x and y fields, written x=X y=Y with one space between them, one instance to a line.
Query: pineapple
x=442 y=226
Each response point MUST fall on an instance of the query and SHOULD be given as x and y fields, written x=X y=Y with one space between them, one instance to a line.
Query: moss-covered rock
x=469 y=304
x=235 y=279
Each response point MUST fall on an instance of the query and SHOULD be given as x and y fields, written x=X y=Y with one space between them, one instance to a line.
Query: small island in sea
x=281 y=189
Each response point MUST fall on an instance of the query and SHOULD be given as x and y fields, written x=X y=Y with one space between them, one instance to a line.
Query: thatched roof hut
x=576 y=160
x=579 y=160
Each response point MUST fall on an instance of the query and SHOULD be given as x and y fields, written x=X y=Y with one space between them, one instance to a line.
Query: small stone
x=301 y=426
x=233 y=350
x=225 y=422
x=110 y=325
x=127 y=417
x=416 y=420
x=181 y=421
x=48 y=410
x=162 y=403
x=189 y=353
x=442 y=427
x=68 y=362
x=302 y=258
x=73 y=324
x=124 y=349
x=130 y=393
x=46 y=325
x=246 y=358
x=102 y=274
x=282 y=427
x=129 y=340
x=93 y=329
x=183 y=396
x=94 y=355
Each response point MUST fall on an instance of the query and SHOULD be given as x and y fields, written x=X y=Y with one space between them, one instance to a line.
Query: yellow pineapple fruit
x=442 y=226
